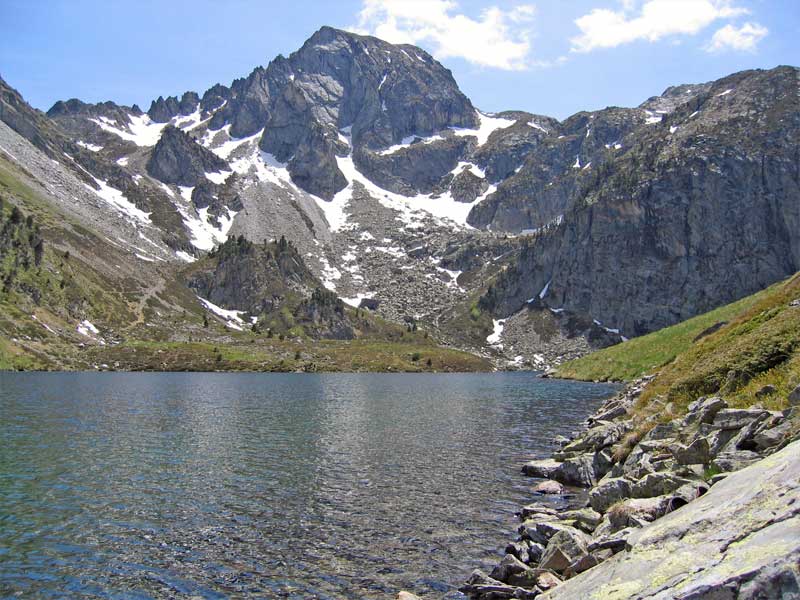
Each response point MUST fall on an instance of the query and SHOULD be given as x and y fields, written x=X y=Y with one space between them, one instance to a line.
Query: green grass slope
x=643 y=355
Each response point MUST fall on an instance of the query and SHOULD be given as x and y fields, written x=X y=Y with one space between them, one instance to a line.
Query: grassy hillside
x=754 y=358
x=647 y=353
x=759 y=347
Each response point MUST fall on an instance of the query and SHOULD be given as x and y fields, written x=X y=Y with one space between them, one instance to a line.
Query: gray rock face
x=750 y=549
x=177 y=159
x=553 y=162
x=646 y=215
x=467 y=186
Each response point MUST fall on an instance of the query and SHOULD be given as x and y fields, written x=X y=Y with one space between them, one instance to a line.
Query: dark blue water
x=236 y=485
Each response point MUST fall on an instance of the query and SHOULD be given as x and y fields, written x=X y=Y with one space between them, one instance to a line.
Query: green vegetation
x=271 y=354
x=748 y=352
x=759 y=346
x=642 y=355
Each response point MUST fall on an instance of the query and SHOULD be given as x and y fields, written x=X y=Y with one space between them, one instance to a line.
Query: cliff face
x=704 y=208
x=177 y=159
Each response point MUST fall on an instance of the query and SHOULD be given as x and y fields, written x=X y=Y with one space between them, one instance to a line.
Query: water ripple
x=273 y=486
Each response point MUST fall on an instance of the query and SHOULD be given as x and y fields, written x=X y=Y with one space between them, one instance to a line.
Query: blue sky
x=551 y=57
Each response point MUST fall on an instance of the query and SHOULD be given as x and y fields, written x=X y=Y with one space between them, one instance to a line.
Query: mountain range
x=351 y=191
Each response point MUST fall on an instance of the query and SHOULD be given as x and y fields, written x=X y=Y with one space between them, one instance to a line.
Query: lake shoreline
x=623 y=495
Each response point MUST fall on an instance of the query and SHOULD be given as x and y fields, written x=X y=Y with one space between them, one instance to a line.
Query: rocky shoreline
x=607 y=524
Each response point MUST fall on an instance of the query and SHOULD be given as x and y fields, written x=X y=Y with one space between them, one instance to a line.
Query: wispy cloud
x=497 y=38
x=742 y=39
x=655 y=20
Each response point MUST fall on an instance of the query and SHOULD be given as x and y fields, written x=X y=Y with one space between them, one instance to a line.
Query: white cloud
x=744 y=38
x=498 y=38
x=605 y=28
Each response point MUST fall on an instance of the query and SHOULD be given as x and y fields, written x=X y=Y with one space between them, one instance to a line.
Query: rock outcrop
x=179 y=160
x=701 y=505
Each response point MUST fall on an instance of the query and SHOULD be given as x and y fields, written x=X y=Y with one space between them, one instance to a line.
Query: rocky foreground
x=702 y=506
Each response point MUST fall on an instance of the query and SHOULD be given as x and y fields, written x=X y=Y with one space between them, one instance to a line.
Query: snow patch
x=408 y=141
x=92 y=147
x=487 y=126
x=117 y=199
x=725 y=93
x=185 y=256
x=86 y=328
x=141 y=130
x=493 y=339
x=329 y=274
x=356 y=301
x=219 y=178
x=535 y=125
x=232 y=318
x=652 y=118
x=464 y=166
x=227 y=148
x=545 y=289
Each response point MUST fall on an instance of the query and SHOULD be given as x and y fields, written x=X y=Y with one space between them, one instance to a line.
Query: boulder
x=602 y=462
x=615 y=541
x=565 y=547
x=548 y=529
x=633 y=511
x=656 y=484
x=585 y=519
x=662 y=431
x=601 y=435
x=766 y=391
x=703 y=410
x=546 y=580
x=740 y=540
x=407 y=596
x=537 y=508
x=768 y=438
x=526 y=551
x=794 y=397
x=548 y=487
x=736 y=460
x=587 y=561
x=609 y=492
x=541 y=468
x=511 y=570
x=736 y=418
x=695 y=453
x=481 y=586
x=578 y=471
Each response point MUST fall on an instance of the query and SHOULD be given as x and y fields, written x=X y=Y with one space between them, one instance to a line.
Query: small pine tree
x=205 y=321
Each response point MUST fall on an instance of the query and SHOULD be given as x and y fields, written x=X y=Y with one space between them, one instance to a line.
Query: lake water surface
x=130 y=486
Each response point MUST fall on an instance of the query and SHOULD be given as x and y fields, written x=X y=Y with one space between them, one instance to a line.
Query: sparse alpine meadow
x=326 y=329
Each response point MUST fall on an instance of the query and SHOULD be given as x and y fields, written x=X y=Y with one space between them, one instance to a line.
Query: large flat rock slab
x=740 y=540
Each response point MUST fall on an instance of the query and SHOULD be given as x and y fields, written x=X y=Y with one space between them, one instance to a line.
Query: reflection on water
x=296 y=486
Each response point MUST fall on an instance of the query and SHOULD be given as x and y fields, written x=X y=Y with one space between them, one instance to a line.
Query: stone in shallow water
x=548 y=487
x=541 y=468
